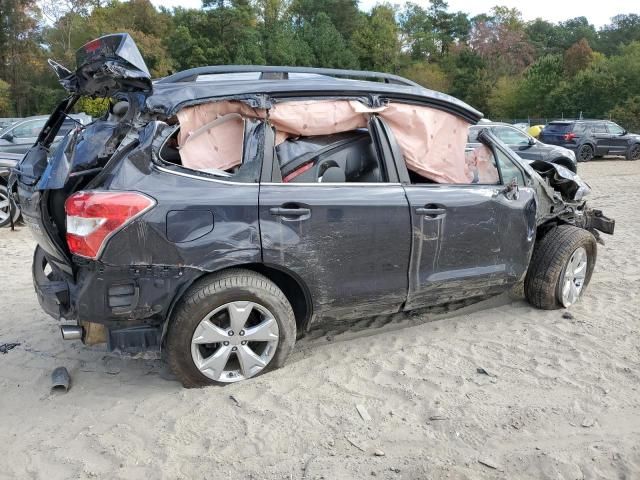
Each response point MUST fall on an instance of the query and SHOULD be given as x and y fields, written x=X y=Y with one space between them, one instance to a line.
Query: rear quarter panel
x=204 y=224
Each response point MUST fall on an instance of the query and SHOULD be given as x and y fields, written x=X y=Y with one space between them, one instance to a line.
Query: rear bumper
x=123 y=299
x=52 y=289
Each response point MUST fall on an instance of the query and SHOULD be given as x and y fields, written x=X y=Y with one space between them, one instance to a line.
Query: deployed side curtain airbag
x=432 y=141
x=215 y=145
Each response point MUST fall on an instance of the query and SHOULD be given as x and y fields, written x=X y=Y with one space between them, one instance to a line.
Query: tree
x=328 y=47
x=500 y=40
x=429 y=75
x=503 y=99
x=418 y=35
x=534 y=92
x=623 y=30
x=469 y=77
x=571 y=31
x=6 y=104
x=544 y=37
x=375 y=40
x=343 y=14
x=627 y=113
x=578 y=57
x=20 y=55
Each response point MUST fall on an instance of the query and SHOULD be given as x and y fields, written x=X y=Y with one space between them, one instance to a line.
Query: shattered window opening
x=432 y=141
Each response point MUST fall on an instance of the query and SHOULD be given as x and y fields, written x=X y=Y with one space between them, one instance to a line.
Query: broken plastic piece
x=60 y=380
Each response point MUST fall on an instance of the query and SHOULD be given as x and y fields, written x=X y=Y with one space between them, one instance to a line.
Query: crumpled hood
x=563 y=180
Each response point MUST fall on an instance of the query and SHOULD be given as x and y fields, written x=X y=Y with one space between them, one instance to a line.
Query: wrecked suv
x=220 y=212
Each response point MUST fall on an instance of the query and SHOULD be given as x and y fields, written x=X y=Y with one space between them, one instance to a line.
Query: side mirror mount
x=511 y=190
x=624 y=132
x=8 y=137
x=532 y=141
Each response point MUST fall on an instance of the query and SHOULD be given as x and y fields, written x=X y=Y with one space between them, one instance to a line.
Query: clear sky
x=597 y=11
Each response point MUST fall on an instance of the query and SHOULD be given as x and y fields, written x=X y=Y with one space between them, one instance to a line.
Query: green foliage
x=429 y=75
x=5 y=99
x=375 y=39
x=96 y=107
x=627 y=114
x=495 y=61
x=503 y=99
x=469 y=78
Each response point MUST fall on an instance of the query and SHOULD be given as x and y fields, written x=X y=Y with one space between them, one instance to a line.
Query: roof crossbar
x=282 y=73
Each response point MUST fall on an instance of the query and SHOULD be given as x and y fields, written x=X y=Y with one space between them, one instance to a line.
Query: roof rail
x=281 y=73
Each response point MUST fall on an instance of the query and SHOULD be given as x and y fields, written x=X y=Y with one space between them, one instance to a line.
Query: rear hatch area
x=554 y=133
x=109 y=67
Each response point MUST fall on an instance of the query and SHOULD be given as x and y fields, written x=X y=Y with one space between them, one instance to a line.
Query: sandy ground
x=563 y=401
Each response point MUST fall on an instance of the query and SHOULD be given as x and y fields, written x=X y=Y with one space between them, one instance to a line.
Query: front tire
x=560 y=268
x=229 y=327
x=634 y=152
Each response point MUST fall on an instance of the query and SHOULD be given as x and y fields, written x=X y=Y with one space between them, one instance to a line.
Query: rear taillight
x=569 y=136
x=92 y=217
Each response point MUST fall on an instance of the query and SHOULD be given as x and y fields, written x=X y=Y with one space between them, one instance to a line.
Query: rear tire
x=585 y=153
x=215 y=294
x=634 y=152
x=549 y=268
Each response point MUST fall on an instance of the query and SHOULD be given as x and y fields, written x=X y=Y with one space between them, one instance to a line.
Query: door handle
x=431 y=212
x=290 y=212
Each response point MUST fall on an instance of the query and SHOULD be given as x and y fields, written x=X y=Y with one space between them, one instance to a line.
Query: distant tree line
x=497 y=62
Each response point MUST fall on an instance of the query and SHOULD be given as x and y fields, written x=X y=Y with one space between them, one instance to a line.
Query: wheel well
x=292 y=287
x=565 y=162
x=589 y=144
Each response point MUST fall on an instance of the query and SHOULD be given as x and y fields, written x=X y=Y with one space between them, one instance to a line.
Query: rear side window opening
x=229 y=148
x=325 y=141
x=558 y=128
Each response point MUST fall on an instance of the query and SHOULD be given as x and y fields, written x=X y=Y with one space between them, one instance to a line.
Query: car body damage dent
x=562 y=180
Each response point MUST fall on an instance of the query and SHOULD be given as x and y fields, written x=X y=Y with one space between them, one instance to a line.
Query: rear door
x=468 y=240
x=601 y=138
x=348 y=241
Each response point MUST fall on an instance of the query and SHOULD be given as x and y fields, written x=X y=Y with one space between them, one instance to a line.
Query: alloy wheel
x=574 y=276
x=635 y=152
x=7 y=208
x=585 y=154
x=235 y=341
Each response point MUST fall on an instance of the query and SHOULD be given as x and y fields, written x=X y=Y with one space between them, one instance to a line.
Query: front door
x=618 y=142
x=21 y=137
x=469 y=240
x=336 y=216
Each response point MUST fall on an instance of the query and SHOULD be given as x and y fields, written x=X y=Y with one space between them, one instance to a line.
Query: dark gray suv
x=592 y=138
x=525 y=145
x=220 y=212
